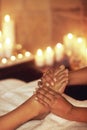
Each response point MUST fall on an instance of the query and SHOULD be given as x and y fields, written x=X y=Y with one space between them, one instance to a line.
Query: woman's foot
x=61 y=79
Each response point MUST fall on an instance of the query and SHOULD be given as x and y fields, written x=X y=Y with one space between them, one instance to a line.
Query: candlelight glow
x=18 y=46
x=48 y=49
x=1 y=36
x=13 y=58
x=27 y=54
x=8 y=47
x=86 y=56
x=7 y=18
x=69 y=41
x=39 y=52
x=49 y=56
x=8 y=42
x=20 y=56
x=59 y=51
x=73 y=47
x=70 y=35
x=0 y=45
x=1 y=50
x=39 y=58
x=59 y=45
x=0 y=33
x=81 y=46
x=79 y=40
x=4 y=60
x=8 y=31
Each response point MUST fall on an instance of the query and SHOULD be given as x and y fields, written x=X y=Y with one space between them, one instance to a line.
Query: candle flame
x=20 y=56
x=70 y=35
x=7 y=18
x=79 y=40
x=27 y=54
x=59 y=45
x=49 y=50
x=39 y=52
x=7 y=41
x=39 y=58
x=13 y=58
x=4 y=61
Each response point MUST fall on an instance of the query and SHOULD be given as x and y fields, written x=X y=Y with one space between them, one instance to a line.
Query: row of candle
x=15 y=59
x=74 y=47
x=47 y=57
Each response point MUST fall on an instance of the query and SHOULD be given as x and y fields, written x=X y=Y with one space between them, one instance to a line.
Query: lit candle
x=8 y=47
x=1 y=50
x=8 y=32
x=86 y=56
x=79 y=47
x=39 y=58
x=4 y=60
x=77 y=60
x=20 y=56
x=49 y=56
x=27 y=54
x=69 y=41
x=1 y=44
x=1 y=39
x=13 y=58
x=59 y=51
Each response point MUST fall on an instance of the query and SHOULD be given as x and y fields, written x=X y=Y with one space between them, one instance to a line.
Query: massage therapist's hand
x=55 y=101
x=55 y=78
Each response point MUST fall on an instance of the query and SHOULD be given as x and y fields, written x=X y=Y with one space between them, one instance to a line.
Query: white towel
x=14 y=92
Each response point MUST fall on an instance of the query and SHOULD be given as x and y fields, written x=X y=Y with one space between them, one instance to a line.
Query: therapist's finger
x=47 y=96
x=48 y=77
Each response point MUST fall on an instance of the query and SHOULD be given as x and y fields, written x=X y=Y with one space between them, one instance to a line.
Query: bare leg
x=31 y=109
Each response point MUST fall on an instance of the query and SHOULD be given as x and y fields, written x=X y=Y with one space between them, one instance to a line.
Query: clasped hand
x=50 y=92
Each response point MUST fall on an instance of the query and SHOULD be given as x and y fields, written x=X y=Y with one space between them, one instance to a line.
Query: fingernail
x=36 y=98
x=47 y=84
x=52 y=83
